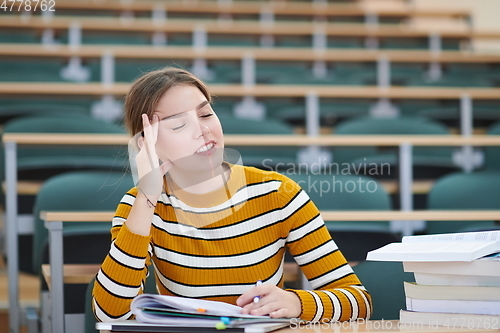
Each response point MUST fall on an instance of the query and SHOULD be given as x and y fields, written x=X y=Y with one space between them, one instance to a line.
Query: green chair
x=15 y=109
x=263 y=157
x=330 y=113
x=84 y=242
x=38 y=163
x=428 y=162
x=464 y=191
x=333 y=190
x=453 y=81
x=22 y=70
x=90 y=319
x=492 y=154
x=483 y=116
x=44 y=158
x=384 y=281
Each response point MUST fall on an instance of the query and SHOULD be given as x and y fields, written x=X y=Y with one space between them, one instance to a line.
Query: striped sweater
x=216 y=245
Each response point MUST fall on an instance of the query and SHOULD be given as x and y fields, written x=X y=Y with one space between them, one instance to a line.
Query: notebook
x=135 y=326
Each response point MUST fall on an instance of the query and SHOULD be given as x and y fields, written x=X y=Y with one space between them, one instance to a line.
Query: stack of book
x=457 y=279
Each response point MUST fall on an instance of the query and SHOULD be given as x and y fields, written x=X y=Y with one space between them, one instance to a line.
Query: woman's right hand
x=150 y=172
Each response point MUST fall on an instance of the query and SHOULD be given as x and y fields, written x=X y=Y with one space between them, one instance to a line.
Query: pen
x=257 y=298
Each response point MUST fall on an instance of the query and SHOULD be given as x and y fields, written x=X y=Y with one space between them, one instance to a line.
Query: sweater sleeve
x=123 y=273
x=337 y=293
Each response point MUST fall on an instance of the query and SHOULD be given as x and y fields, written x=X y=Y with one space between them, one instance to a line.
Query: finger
x=247 y=298
x=265 y=309
x=281 y=313
x=149 y=142
x=155 y=125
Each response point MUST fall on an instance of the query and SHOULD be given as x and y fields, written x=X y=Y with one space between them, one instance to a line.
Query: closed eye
x=207 y=115
x=178 y=127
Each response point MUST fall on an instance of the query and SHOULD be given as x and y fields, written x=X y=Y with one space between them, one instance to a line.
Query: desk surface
x=377 y=326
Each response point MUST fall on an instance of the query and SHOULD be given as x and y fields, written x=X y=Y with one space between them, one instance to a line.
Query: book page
x=481 y=236
x=433 y=251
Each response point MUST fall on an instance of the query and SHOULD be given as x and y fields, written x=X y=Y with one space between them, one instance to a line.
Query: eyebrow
x=198 y=107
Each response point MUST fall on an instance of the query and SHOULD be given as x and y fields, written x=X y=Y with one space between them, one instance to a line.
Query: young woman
x=210 y=228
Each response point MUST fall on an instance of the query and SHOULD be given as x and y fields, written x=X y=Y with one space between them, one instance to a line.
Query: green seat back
x=492 y=154
x=384 y=282
x=462 y=191
x=257 y=156
x=105 y=157
x=335 y=191
x=78 y=191
x=392 y=126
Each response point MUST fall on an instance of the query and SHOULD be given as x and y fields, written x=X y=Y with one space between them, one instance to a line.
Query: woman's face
x=189 y=133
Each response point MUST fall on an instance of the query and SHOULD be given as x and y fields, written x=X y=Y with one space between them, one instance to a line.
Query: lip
x=208 y=152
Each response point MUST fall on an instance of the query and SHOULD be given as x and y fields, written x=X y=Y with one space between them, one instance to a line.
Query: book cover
x=484 y=266
x=456 y=280
x=429 y=320
x=442 y=247
x=475 y=293
x=453 y=306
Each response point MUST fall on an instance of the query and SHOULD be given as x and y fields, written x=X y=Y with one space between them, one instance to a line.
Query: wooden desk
x=89 y=23
x=375 y=326
x=277 y=7
x=258 y=90
x=57 y=272
x=236 y=53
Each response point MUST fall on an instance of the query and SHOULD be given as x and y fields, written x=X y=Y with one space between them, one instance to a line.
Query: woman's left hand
x=274 y=302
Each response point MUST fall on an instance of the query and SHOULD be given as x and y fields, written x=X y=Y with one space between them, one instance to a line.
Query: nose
x=204 y=130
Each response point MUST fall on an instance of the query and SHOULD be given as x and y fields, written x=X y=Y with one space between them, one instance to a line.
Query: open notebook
x=161 y=313
x=135 y=326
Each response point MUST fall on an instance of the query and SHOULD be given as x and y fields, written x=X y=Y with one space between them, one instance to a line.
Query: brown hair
x=147 y=90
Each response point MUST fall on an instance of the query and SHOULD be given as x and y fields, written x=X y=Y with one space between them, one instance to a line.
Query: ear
x=140 y=141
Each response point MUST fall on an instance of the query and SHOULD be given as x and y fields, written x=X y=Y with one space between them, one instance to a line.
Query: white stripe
x=352 y=299
x=128 y=199
x=125 y=259
x=336 y=305
x=101 y=315
x=219 y=290
x=235 y=229
x=239 y=197
x=222 y=261
x=319 y=306
x=115 y=288
x=331 y=276
x=117 y=221
x=367 y=304
x=314 y=224
x=310 y=256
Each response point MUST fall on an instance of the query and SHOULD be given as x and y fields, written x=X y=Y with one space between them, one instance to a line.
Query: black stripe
x=107 y=314
x=109 y=291
x=219 y=256
x=244 y=200
x=124 y=265
x=222 y=268
x=130 y=255
x=310 y=232
x=217 y=285
x=313 y=248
